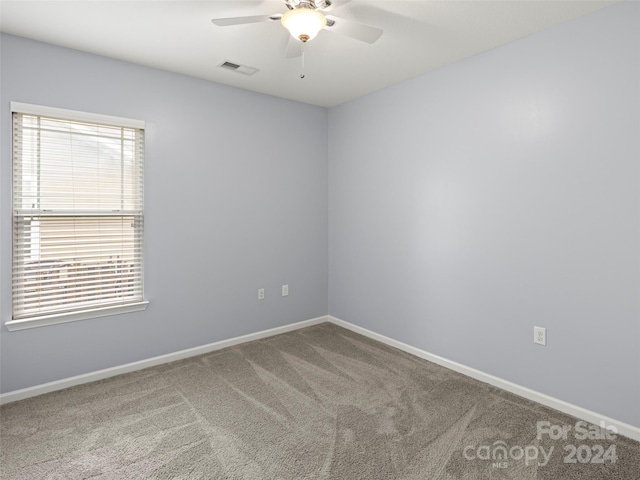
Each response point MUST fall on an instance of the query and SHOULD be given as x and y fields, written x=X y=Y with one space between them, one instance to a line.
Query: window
x=77 y=216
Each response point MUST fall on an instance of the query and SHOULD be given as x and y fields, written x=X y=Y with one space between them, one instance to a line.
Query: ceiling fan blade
x=294 y=48
x=349 y=28
x=331 y=5
x=225 y=22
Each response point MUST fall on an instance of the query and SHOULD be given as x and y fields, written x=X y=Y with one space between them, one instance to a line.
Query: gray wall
x=499 y=193
x=240 y=176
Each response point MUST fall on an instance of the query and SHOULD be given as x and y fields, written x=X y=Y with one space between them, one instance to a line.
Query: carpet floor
x=317 y=403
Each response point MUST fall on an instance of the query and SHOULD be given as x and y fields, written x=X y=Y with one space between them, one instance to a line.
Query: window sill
x=14 y=325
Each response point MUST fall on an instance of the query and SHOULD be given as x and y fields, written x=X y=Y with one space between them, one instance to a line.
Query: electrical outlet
x=261 y=294
x=540 y=335
x=285 y=290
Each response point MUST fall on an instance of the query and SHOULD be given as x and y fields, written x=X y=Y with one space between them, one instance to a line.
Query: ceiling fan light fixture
x=304 y=23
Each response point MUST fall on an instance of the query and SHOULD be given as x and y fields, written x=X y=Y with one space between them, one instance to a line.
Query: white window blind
x=77 y=215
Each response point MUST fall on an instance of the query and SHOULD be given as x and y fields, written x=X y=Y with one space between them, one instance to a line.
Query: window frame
x=95 y=311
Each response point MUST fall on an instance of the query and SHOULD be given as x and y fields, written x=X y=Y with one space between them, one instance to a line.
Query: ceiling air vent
x=245 y=70
x=231 y=66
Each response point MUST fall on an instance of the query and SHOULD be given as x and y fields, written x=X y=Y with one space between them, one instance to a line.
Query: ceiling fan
x=305 y=19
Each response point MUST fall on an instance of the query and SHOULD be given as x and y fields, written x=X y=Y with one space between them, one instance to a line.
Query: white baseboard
x=624 y=429
x=150 y=362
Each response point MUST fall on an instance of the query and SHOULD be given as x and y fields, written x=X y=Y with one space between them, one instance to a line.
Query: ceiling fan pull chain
x=302 y=57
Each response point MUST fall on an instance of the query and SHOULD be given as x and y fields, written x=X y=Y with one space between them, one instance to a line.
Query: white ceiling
x=419 y=36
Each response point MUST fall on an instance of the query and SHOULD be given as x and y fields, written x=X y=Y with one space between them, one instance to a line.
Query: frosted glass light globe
x=303 y=23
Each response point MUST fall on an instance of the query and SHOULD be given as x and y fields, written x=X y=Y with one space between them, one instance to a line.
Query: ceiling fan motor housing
x=314 y=4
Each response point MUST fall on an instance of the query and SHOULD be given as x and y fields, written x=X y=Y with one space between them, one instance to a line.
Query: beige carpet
x=317 y=403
